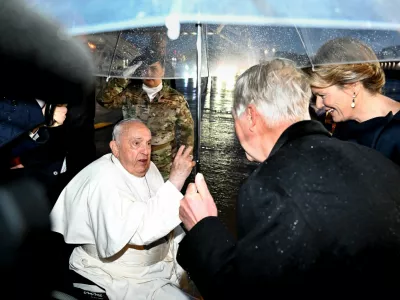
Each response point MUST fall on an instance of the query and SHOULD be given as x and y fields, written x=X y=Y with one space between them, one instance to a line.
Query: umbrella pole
x=198 y=91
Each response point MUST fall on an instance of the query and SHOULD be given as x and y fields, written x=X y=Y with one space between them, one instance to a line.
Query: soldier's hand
x=181 y=167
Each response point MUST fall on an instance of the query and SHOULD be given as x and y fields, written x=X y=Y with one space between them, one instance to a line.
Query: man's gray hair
x=277 y=88
x=116 y=133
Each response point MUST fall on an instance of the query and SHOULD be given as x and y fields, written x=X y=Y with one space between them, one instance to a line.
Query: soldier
x=163 y=109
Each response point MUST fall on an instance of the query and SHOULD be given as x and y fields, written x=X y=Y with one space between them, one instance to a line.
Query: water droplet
x=320 y=177
x=312 y=147
x=296 y=222
x=256 y=247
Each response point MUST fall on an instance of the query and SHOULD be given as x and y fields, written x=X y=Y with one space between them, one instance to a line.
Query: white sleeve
x=118 y=219
x=161 y=215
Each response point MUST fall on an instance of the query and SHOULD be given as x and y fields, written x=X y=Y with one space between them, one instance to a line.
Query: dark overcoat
x=319 y=216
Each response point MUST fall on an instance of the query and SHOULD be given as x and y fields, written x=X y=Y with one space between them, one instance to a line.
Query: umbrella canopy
x=225 y=49
x=92 y=16
x=236 y=36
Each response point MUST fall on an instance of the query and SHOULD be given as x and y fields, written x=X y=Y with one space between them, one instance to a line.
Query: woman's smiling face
x=334 y=100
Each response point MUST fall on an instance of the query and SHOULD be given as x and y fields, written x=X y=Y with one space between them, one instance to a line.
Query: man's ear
x=252 y=116
x=114 y=148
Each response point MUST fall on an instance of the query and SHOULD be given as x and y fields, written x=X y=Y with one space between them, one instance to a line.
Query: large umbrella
x=222 y=38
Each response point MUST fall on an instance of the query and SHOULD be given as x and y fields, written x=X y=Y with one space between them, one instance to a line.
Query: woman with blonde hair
x=347 y=84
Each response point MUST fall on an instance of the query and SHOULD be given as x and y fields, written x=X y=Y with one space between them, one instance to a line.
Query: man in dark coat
x=317 y=217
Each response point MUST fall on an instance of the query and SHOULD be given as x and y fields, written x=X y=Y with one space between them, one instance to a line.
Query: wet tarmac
x=222 y=160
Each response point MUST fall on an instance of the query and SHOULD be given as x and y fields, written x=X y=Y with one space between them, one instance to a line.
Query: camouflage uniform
x=166 y=115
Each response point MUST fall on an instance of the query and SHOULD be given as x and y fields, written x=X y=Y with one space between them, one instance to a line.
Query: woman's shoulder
x=392 y=126
x=388 y=141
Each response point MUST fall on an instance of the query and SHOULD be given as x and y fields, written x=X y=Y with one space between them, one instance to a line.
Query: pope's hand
x=197 y=203
x=181 y=167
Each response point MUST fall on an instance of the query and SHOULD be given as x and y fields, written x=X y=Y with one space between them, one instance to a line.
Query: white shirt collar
x=152 y=92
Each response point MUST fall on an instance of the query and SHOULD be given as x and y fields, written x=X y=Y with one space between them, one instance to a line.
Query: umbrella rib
x=113 y=56
x=305 y=47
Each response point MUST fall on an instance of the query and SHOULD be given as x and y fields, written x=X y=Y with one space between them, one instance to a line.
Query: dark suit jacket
x=18 y=116
x=318 y=216
x=380 y=133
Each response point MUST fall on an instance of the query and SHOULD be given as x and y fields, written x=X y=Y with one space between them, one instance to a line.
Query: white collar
x=152 y=92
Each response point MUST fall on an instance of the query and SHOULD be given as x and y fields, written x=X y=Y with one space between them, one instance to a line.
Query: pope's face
x=133 y=148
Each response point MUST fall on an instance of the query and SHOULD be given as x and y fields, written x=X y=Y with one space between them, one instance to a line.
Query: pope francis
x=125 y=218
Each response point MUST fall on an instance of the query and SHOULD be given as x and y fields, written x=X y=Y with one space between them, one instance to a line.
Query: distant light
x=91 y=45
x=184 y=33
x=210 y=33
x=273 y=50
x=193 y=33
x=266 y=51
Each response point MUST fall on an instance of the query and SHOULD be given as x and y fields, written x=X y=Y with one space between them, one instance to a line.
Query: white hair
x=277 y=88
x=116 y=133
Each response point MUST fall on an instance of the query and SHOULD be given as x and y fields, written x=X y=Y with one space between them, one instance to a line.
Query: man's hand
x=19 y=166
x=60 y=113
x=181 y=167
x=197 y=203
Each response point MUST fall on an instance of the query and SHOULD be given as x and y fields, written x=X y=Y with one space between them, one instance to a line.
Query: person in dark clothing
x=59 y=152
x=319 y=217
x=18 y=117
x=352 y=95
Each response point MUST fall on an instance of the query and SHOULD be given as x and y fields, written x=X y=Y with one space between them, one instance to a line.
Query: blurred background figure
x=352 y=95
x=34 y=44
x=57 y=149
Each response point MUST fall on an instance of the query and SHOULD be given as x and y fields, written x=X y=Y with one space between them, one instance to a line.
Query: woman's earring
x=353 y=103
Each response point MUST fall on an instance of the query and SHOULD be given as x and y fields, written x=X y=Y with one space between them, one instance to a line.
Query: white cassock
x=104 y=208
